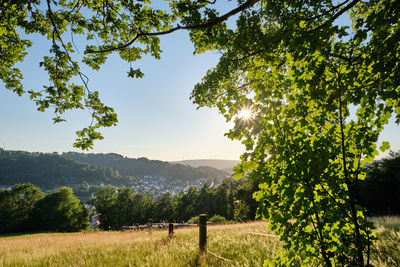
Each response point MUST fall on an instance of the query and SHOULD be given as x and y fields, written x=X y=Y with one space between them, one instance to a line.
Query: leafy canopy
x=129 y=28
x=320 y=93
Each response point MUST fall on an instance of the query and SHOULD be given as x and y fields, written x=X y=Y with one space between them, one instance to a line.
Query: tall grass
x=154 y=248
x=386 y=251
x=141 y=248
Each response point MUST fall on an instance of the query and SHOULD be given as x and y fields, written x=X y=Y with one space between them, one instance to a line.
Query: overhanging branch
x=338 y=14
x=208 y=24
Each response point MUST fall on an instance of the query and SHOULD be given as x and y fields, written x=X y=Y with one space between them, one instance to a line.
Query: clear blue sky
x=156 y=118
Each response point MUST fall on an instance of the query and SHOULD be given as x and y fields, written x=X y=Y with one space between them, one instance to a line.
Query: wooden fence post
x=202 y=232
x=170 y=229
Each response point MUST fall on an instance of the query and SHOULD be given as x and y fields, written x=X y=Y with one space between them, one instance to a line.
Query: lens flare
x=245 y=114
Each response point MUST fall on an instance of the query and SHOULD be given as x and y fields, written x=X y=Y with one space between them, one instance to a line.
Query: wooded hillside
x=139 y=167
x=50 y=170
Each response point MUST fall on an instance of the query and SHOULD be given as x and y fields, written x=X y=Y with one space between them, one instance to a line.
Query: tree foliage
x=121 y=207
x=320 y=94
x=24 y=208
x=128 y=27
x=60 y=211
x=16 y=205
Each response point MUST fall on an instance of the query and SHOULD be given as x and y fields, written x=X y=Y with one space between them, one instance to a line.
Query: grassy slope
x=141 y=248
x=386 y=251
x=155 y=249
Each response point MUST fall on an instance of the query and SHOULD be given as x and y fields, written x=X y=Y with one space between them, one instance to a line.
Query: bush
x=217 y=219
x=194 y=219
x=213 y=219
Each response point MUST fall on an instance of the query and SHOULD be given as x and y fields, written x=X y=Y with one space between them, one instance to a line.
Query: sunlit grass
x=156 y=249
x=386 y=251
x=141 y=248
x=389 y=222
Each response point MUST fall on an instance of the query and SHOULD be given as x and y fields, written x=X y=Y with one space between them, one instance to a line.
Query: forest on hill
x=139 y=167
x=51 y=170
x=220 y=164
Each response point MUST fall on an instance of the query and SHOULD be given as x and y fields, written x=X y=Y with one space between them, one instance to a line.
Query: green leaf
x=385 y=146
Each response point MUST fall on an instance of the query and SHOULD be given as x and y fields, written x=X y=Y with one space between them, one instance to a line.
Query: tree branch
x=334 y=17
x=326 y=12
x=360 y=258
x=74 y=65
x=208 y=24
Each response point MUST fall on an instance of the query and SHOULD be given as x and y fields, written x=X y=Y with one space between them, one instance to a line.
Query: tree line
x=25 y=208
x=231 y=200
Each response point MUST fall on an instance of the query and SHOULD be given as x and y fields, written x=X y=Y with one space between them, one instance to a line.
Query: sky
x=157 y=119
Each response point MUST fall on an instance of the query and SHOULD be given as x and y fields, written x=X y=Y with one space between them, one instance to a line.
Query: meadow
x=386 y=251
x=228 y=245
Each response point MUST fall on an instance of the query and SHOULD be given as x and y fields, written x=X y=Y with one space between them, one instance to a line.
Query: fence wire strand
x=225 y=229
x=252 y=233
x=210 y=252
x=184 y=243
x=218 y=256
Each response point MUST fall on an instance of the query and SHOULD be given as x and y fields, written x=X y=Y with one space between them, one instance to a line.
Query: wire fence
x=206 y=250
x=202 y=233
x=186 y=243
x=220 y=257
x=251 y=233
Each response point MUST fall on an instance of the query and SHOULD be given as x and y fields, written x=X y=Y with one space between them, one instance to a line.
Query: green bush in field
x=194 y=219
x=217 y=219
x=213 y=219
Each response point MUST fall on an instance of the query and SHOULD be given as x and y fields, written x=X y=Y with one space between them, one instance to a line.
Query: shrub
x=217 y=219
x=194 y=219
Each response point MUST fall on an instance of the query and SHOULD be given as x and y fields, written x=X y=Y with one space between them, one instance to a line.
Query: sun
x=245 y=114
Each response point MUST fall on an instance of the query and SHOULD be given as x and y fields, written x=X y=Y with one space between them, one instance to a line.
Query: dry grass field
x=386 y=251
x=154 y=248
x=142 y=248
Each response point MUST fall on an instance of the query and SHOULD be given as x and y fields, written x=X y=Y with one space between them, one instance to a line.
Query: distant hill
x=139 y=167
x=220 y=164
x=50 y=170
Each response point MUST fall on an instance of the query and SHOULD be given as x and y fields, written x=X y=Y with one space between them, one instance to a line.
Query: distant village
x=159 y=185
x=154 y=185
